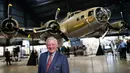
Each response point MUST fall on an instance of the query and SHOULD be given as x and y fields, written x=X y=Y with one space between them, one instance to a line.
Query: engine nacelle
x=118 y=24
x=54 y=25
x=7 y=27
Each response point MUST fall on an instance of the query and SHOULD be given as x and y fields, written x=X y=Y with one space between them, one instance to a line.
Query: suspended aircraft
x=75 y=24
x=81 y=24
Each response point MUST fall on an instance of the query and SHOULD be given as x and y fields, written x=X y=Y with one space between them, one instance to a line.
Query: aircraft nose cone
x=108 y=12
x=102 y=15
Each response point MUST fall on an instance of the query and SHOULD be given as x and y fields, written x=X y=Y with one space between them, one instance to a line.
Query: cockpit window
x=72 y=14
x=82 y=16
x=90 y=13
x=77 y=19
x=77 y=12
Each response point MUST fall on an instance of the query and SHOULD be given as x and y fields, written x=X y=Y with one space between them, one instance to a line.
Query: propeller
x=53 y=27
x=123 y=14
x=57 y=28
x=10 y=26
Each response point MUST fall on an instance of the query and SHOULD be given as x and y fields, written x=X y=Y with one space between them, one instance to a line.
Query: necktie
x=49 y=62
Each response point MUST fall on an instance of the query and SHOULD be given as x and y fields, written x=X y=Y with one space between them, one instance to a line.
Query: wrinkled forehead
x=51 y=38
x=51 y=42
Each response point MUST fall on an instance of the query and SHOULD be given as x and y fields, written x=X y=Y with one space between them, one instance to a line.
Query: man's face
x=51 y=45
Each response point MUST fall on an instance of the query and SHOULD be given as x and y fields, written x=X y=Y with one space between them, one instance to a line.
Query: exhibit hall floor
x=80 y=64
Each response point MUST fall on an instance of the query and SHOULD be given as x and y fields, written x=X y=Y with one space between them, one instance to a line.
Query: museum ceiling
x=45 y=10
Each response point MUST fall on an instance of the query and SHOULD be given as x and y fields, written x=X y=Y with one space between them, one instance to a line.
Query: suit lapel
x=45 y=60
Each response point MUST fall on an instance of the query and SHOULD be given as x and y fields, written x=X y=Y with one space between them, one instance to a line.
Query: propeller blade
x=57 y=13
x=62 y=35
x=41 y=30
x=9 y=13
x=9 y=10
x=21 y=31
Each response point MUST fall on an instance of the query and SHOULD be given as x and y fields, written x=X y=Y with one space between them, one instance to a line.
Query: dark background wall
x=1 y=10
x=18 y=13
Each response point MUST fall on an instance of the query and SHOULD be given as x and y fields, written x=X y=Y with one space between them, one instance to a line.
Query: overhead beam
x=41 y=4
x=63 y=4
x=43 y=9
x=49 y=8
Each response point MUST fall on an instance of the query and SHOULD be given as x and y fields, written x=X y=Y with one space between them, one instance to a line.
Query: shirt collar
x=52 y=53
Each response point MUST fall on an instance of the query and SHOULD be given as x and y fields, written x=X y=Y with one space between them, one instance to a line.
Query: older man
x=52 y=61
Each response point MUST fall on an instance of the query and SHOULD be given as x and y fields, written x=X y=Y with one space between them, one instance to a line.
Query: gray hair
x=51 y=38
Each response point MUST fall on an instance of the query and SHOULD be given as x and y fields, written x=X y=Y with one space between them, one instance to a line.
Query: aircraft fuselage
x=84 y=22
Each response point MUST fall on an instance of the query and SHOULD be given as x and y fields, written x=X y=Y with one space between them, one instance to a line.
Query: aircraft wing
x=110 y=33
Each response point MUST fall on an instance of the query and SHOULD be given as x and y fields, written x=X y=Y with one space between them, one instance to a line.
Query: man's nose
x=51 y=45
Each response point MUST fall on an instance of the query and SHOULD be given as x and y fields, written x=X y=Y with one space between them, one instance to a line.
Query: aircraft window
x=77 y=12
x=77 y=19
x=82 y=16
x=90 y=13
x=71 y=15
x=68 y=16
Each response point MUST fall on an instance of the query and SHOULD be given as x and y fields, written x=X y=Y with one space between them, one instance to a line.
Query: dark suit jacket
x=59 y=64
